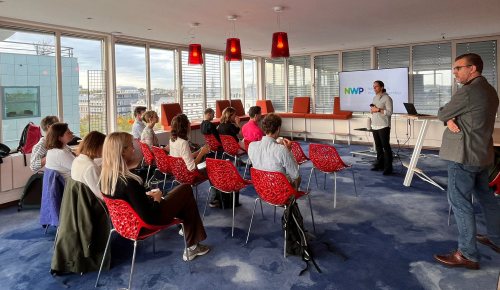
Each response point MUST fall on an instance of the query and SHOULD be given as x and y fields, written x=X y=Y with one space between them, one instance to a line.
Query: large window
x=275 y=83
x=236 y=81
x=192 y=89
x=299 y=78
x=163 y=79
x=488 y=52
x=250 y=82
x=27 y=82
x=214 y=76
x=393 y=57
x=130 y=83
x=84 y=85
x=326 y=79
x=356 y=60
x=431 y=76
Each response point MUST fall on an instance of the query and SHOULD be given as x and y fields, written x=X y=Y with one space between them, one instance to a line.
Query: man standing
x=251 y=131
x=270 y=155
x=381 y=111
x=468 y=145
x=139 y=125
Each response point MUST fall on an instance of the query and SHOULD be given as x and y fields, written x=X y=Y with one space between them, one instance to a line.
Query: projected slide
x=356 y=88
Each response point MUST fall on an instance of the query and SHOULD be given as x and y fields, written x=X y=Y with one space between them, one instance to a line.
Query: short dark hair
x=55 y=131
x=271 y=123
x=473 y=59
x=254 y=110
x=91 y=144
x=180 y=127
x=139 y=110
x=47 y=122
x=209 y=111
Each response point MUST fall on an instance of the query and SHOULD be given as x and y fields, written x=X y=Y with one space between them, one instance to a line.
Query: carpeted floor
x=388 y=233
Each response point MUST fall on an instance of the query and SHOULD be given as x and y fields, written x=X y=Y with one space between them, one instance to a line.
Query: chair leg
x=284 y=244
x=261 y=210
x=324 y=183
x=147 y=175
x=206 y=203
x=185 y=246
x=251 y=219
x=354 y=182
x=246 y=168
x=316 y=177
x=274 y=214
x=164 y=180
x=309 y=180
x=234 y=205
x=132 y=267
x=104 y=257
x=334 y=189
x=46 y=229
x=312 y=215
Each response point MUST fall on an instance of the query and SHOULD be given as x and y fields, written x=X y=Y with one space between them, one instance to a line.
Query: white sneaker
x=181 y=233
x=200 y=250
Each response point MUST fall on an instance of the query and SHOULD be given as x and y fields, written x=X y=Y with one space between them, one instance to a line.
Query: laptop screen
x=410 y=108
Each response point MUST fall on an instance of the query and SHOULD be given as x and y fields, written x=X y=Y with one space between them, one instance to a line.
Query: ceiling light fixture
x=280 y=39
x=195 y=54
x=233 y=47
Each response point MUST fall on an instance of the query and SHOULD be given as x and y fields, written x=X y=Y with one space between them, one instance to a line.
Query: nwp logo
x=353 y=91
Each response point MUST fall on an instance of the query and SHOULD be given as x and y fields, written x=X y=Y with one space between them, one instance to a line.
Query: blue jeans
x=463 y=181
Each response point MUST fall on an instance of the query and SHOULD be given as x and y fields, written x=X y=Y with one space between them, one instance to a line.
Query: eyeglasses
x=458 y=67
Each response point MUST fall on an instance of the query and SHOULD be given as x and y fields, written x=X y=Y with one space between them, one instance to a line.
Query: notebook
x=410 y=108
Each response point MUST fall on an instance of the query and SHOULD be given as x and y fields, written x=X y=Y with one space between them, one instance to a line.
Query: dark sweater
x=208 y=128
x=229 y=129
x=135 y=194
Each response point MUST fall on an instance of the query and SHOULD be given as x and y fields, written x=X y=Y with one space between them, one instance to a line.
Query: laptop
x=410 y=108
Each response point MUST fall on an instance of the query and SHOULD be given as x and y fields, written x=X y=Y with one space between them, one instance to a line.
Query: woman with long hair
x=59 y=156
x=85 y=169
x=118 y=182
x=230 y=125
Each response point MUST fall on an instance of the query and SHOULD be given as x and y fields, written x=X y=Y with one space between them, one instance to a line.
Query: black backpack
x=32 y=193
x=296 y=235
x=4 y=151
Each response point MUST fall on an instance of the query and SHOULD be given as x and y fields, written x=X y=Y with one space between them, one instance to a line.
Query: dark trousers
x=180 y=203
x=383 y=146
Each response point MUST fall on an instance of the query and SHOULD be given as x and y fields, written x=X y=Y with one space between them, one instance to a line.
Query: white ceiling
x=312 y=25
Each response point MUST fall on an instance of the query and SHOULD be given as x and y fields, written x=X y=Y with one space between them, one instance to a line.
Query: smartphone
x=372 y=105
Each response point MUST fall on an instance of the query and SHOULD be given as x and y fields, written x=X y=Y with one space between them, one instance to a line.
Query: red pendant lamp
x=195 y=56
x=233 y=47
x=280 y=40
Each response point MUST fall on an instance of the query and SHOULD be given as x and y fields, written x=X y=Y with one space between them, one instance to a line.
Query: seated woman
x=39 y=151
x=179 y=145
x=118 y=182
x=84 y=168
x=230 y=125
x=59 y=156
x=148 y=135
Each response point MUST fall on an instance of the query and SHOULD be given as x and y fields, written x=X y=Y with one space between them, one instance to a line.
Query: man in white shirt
x=139 y=125
x=271 y=155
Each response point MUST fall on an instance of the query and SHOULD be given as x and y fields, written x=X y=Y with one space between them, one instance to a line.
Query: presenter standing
x=381 y=111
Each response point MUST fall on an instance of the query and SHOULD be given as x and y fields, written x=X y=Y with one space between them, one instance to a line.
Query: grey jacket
x=474 y=106
x=383 y=102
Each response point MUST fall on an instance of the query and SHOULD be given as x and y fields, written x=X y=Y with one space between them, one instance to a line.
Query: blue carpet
x=388 y=233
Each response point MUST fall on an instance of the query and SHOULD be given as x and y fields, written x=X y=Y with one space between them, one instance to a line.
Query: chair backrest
x=266 y=106
x=298 y=153
x=212 y=142
x=495 y=184
x=302 y=105
x=146 y=152
x=223 y=175
x=125 y=220
x=220 y=105
x=161 y=160
x=229 y=144
x=52 y=193
x=238 y=106
x=168 y=112
x=180 y=170
x=325 y=158
x=272 y=187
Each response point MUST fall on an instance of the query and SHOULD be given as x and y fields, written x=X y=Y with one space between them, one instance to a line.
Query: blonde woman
x=118 y=182
x=148 y=135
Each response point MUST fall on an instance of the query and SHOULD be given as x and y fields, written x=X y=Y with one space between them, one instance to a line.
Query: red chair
x=298 y=153
x=326 y=159
x=231 y=148
x=224 y=177
x=275 y=189
x=183 y=175
x=162 y=164
x=495 y=184
x=214 y=144
x=148 y=158
x=130 y=226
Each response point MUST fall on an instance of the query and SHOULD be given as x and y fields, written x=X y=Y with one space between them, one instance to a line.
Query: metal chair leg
x=185 y=246
x=335 y=190
x=354 y=181
x=284 y=244
x=104 y=257
x=132 y=267
x=234 y=205
x=324 y=183
x=164 y=180
x=261 y=210
x=309 y=180
x=251 y=219
x=206 y=203
x=312 y=215
x=274 y=214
